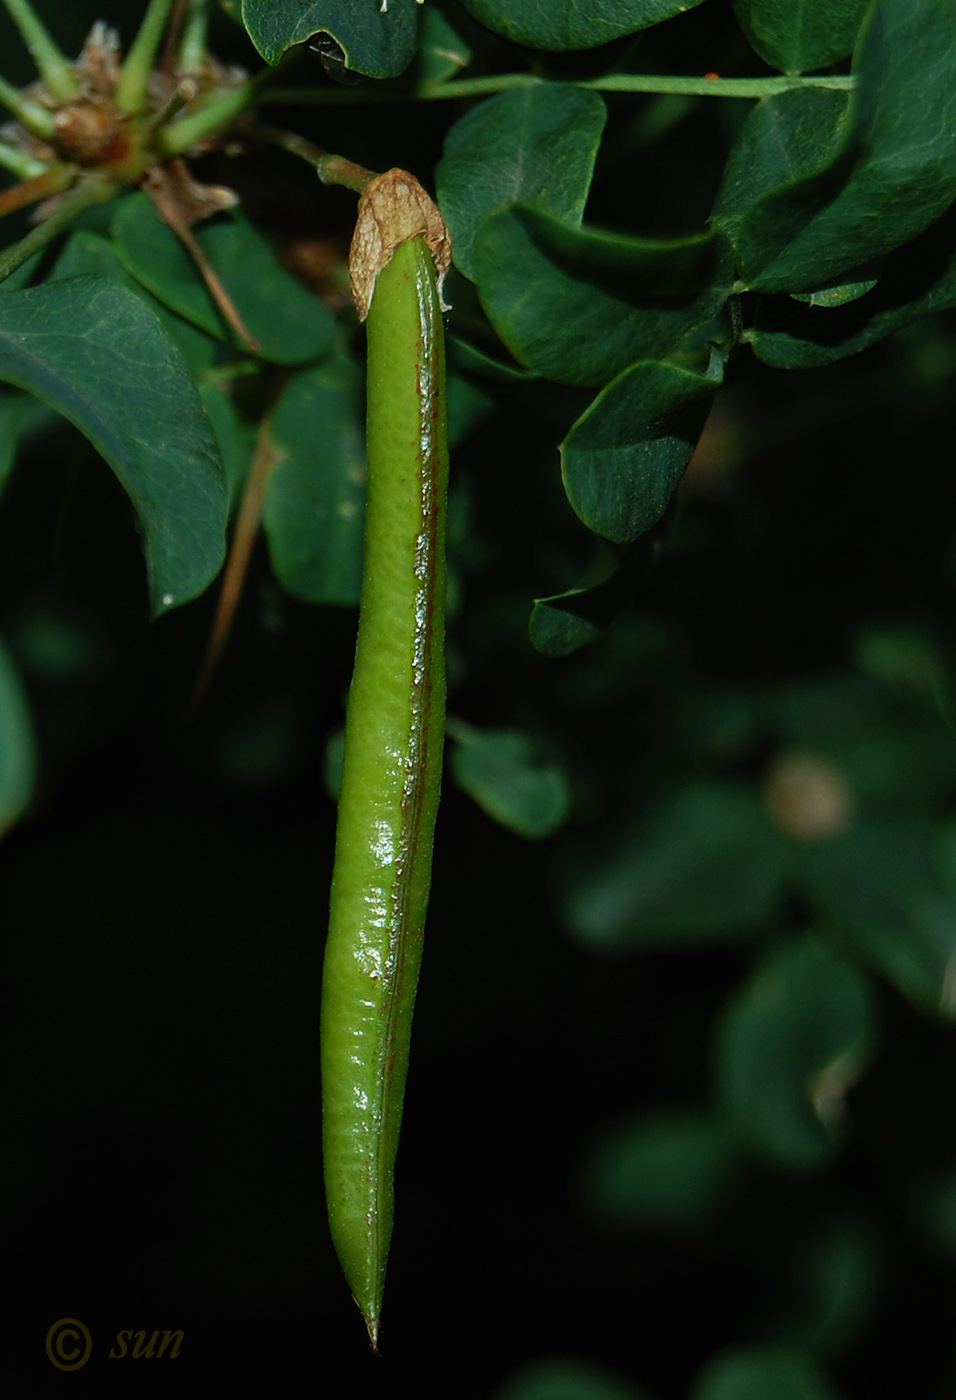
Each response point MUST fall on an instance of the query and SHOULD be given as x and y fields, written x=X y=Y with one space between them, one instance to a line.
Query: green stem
x=192 y=47
x=174 y=103
x=211 y=118
x=337 y=170
x=502 y=82
x=30 y=114
x=25 y=167
x=51 y=64
x=717 y=87
x=331 y=170
x=86 y=196
x=135 y=74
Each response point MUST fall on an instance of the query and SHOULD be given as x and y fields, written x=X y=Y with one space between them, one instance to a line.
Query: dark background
x=164 y=910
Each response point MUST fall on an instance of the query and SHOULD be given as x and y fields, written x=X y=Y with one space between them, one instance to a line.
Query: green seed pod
x=394 y=730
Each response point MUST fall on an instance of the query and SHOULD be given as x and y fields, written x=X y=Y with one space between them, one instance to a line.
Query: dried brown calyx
x=392 y=209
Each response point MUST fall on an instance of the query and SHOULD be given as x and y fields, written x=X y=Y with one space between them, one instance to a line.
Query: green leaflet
x=442 y=52
x=90 y=254
x=566 y=24
x=917 y=280
x=789 y=1048
x=783 y=167
x=580 y=306
x=90 y=349
x=624 y=457
x=563 y=622
x=664 y=1171
x=17 y=746
x=314 y=509
x=797 y=38
x=535 y=146
x=702 y=866
x=380 y=45
x=761 y=1370
x=879 y=888
x=504 y=774
x=559 y=1379
x=290 y=326
x=844 y=189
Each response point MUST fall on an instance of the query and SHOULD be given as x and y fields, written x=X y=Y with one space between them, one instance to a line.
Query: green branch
x=502 y=82
x=212 y=117
x=30 y=114
x=51 y=64
x=331 y=169
x=23 y=165
x=86 y=196
x=716 y=87
x=137 y=68
x=192 y=46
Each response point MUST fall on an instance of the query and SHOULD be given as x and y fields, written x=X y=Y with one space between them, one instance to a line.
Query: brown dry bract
x=181 y=201
x=393 y=208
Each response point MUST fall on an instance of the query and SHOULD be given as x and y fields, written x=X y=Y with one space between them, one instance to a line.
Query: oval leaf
x=567 y=24
x=580 y=306
x=789 y=1048
x=703 y=866
x=375 y=39
x=878 y=884
x=839 y=294
x=502 y=772
x=442 y=51
x=17 y=747
x=761 y=1371
x=558 y=1378
x=291 y=325
x=672 y=1171
x=782 y=168
x=799 y=38
x=564 y=622
x=893 y=171
x=917 y=281
x=314 y=512
x=93 y=351
x=624 y=457
x=535 y=146
x=834 y=1284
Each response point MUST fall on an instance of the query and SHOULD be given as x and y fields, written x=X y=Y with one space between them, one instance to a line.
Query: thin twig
x=31 y=191
x=174 y=103
x=20 y=162
x=237 y=564
x=168 y=209
x=169 y=60
x=452 y=89
x=86 y=195
x=331 y=170
x=212 y=117
x=35 y=118
x=133 y=83
x=52 y=65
